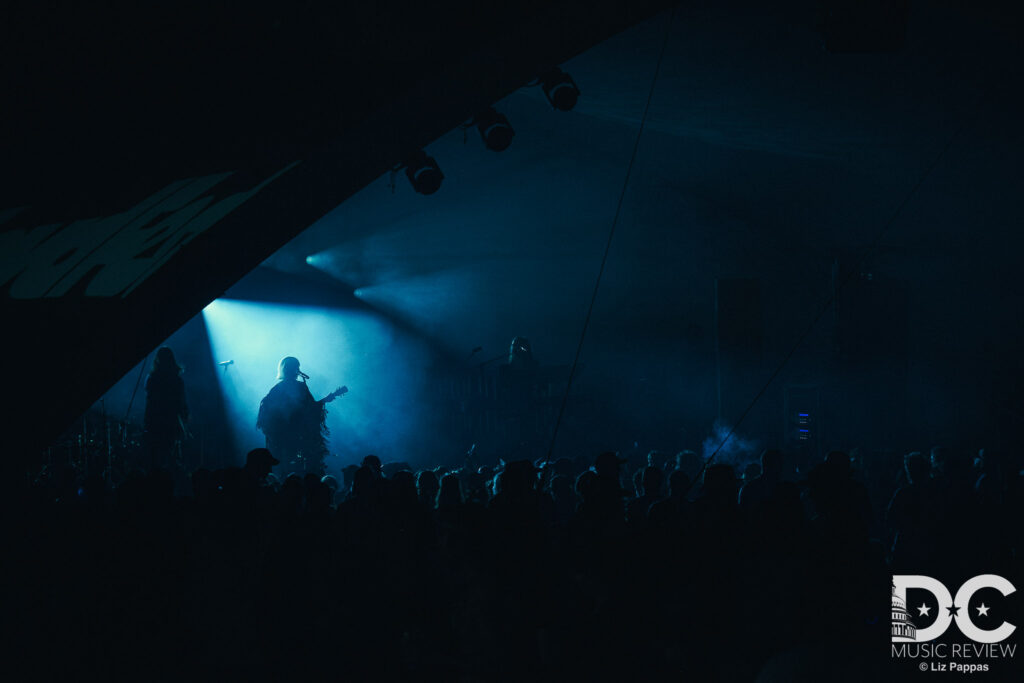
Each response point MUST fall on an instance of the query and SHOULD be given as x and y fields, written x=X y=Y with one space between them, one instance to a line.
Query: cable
x=835 y=292
x=611 y=232
x=142 y=370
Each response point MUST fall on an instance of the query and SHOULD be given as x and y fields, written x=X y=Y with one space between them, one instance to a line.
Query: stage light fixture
x=560 y=89
x=495 y=129
x=423 y=173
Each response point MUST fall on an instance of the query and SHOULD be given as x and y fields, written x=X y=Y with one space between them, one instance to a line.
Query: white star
x=923 y=611
x=982 y=611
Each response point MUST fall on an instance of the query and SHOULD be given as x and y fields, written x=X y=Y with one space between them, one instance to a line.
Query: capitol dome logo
x=903 y=629
x=950 y=608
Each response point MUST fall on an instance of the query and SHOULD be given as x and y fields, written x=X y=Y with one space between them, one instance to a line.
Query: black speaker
x=864 y=26
x=872 y=314
x=739 y=341
x=871 y=318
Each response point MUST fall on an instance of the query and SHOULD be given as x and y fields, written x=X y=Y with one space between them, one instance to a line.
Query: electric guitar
x=340 y=391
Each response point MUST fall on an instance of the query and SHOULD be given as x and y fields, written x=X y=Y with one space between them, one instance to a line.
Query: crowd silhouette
x=593 y=568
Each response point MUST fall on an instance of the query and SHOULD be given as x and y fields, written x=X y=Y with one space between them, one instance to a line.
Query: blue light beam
x=387 y=409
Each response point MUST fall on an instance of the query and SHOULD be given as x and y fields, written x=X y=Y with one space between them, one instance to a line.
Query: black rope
x=142 y=370
x=835 y=292
x=611 y=233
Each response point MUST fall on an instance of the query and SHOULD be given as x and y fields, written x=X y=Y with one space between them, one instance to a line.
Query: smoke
x=388 y=406
x=734 y=450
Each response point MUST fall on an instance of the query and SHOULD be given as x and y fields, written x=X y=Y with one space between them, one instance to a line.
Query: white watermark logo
x=979 y=620
x=950 y=608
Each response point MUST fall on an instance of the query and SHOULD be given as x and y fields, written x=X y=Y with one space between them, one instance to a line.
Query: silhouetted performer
x=166 y=411
x=519 y=376
x=293 y=421
x=519 y=391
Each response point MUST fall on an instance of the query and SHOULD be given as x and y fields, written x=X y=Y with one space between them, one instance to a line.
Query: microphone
x=226 y=363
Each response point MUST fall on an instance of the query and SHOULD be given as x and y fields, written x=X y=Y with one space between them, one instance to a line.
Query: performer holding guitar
x=293 y=422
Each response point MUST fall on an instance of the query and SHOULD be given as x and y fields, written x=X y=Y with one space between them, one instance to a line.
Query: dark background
x=870 y=184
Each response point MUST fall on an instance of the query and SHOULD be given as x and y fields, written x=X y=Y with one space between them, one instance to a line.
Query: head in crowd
x=518 y=478
x=363 y=483
x=678 y=484
x=427 y=486
x=658 y=459
x=608 y=465
x=837 y=464
x=772 y=464
x=450 y=493
x=259 y=462
x=690 y=462
x=402 y=488
x=652 y=481
x=372 y=463
x=720 y=483
x=585 y=484
x=917 y=467
x=938 y=457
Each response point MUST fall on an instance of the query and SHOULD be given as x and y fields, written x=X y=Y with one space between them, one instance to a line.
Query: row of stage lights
x=422 y=170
